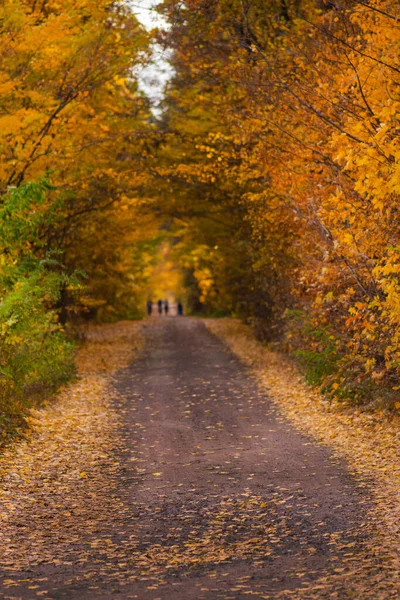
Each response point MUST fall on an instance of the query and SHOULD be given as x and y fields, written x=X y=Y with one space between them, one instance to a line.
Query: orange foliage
x=292 y=110
x=71 y=111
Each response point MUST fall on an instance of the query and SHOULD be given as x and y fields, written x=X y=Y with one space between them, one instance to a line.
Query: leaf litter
x=56 y=482
x=61 y=504
x=370 y=443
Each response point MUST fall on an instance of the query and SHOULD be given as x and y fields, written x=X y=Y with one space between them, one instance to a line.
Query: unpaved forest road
x=218 y=496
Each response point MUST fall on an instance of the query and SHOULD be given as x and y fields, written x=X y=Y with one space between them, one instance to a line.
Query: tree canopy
x=268 y=185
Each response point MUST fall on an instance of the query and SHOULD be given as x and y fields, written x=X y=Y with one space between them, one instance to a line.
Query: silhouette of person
x=166 y=306
x=180 y=309
x=159 y=304
x=149 y=307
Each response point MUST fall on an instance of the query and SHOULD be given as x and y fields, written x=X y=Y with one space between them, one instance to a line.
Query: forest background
x=266 y=187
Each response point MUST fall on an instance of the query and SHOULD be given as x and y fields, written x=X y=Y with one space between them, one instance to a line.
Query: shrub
x=35 y=355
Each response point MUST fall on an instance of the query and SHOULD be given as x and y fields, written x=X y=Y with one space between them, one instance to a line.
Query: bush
x=316 y=348
x=325 y=360
x=35 y=355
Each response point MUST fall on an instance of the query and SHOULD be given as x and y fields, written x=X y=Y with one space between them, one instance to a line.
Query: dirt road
x=213 y=495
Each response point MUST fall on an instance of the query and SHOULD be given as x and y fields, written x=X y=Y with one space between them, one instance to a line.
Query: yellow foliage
x=293 y=117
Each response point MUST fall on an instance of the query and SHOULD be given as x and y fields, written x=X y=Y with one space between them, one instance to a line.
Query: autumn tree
x=74 y=134
x=289 y=113
x=71 y=110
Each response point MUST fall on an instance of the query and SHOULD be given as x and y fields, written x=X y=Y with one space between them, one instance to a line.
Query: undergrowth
x=36 y=356
x=323 y=359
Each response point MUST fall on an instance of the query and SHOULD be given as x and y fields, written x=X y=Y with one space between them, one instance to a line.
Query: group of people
x=163 y=305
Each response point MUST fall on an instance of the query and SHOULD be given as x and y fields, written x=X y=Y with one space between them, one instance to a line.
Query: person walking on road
x=149 y=307
x=159 y=304
x=180 y=309
x=166 y=306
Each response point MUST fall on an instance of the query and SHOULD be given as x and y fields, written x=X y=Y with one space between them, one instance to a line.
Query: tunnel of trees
x=266 y=186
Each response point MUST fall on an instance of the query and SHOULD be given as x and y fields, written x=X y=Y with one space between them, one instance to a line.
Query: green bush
x=35 y=354
x=315 y=348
